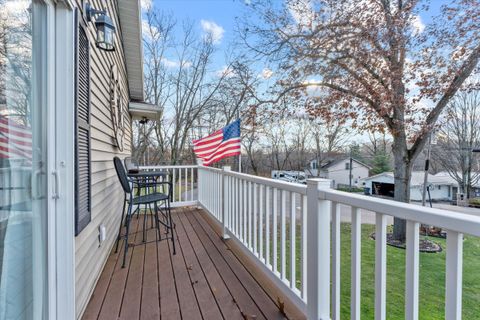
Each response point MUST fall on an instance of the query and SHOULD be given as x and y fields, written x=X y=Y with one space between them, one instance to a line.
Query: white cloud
x=149 y=32
x=226 y=72
x=417 y=24
x=146 y=4
x=302 y=11
x=213 y=30
x=175 y=63
x=314 y=88
x=266 y=73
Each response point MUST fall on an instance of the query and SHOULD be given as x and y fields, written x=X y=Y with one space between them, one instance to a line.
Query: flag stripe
x=226 y=147
x=223 y=143
x=221 y=156
x=15 y=140
x=212 y=143
x=206 y=152
x=213 y=136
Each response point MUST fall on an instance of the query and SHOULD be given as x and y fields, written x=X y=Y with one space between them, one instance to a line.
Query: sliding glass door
x=23 y=159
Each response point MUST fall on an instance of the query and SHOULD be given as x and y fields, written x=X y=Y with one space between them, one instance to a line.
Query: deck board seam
x=128 y=269
x=227 y=264
x=241 y=264
x=186 y=268
x=201 y=266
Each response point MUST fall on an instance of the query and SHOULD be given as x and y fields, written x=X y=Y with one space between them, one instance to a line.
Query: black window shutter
x=83 y=203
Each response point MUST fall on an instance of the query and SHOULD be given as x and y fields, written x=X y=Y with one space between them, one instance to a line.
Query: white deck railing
x=276 y=221
x=184 y=179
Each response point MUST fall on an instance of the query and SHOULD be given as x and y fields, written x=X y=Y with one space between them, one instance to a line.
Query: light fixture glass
x=105 y=33
x=105 y=29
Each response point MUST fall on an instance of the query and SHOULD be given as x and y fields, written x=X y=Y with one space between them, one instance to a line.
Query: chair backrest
x=129 y=164
x=122 y=175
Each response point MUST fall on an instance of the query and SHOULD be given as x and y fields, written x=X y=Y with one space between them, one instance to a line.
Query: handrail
x=288 y=186
x=454 y=221
x=167 y=167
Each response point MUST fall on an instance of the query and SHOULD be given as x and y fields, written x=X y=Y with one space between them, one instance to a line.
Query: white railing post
x=224 y=215
x=318 y=251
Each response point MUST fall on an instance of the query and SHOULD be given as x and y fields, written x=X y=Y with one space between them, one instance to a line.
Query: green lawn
x=432 y=278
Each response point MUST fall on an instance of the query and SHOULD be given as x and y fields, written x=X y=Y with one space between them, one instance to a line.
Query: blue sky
x=207 y=14
x=220 y=15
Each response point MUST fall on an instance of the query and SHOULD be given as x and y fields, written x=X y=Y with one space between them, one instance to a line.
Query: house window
x=347 y=166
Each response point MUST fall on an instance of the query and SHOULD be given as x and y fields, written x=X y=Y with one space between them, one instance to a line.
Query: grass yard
x=432 y=277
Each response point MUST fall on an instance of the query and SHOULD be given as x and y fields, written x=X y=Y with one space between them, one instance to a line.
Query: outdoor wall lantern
x=104 y=25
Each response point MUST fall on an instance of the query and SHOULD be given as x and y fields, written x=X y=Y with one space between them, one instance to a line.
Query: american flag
x=15 y=140
x=220 y=144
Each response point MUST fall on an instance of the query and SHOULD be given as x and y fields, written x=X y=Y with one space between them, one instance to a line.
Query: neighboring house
x=312 y=169
x=475 y=188
x=441 y=188
x=339 y=171
x=66 y=105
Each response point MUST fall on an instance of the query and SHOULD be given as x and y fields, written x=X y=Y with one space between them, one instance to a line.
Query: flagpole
x=240 y=161
x=240 y=155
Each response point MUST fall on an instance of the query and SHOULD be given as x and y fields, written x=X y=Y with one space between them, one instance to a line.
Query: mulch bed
x=426 y=246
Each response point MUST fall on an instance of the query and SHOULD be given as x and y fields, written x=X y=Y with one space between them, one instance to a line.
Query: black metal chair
x=154 y=198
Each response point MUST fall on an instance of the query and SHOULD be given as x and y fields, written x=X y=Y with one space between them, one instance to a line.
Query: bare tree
x=373 y=61
x=179 y=82
x=329 y=135
x=458 y=135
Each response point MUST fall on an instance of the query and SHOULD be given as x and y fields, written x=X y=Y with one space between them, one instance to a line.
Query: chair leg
x=121 y=224
x=157 y=223
x=126 y=235
x=172 y=226
x=145 y=221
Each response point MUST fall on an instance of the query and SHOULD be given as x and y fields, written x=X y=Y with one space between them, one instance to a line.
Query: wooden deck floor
x=204 y=280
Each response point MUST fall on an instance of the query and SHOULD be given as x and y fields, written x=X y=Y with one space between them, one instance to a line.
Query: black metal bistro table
x=150 y=181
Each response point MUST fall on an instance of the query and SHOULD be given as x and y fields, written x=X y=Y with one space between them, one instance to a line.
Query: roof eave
x=130 y=17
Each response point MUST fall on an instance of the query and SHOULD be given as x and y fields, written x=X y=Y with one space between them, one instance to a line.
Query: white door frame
x=61 y=141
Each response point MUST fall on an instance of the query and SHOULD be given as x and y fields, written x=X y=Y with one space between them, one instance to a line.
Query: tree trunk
x=402 y=175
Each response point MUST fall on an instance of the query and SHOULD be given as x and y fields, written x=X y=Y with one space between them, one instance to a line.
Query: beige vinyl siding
x=107 y=195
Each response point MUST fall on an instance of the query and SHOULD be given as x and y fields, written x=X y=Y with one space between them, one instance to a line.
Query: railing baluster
x=186 y=185
x=453 y=281
x=250 y=214
x=255 y=226
x=179 y=184
x=336 y=246
x=356 y=262
x=192 y=174
x=380 y=266
x=274 y=231
x=283 y=239
x=174 y=185
x=245 y=210
x=237 y=208
x=293 y=225
x=304 y=246
x=412 y=270
x=268 y=208
x=260 y=220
